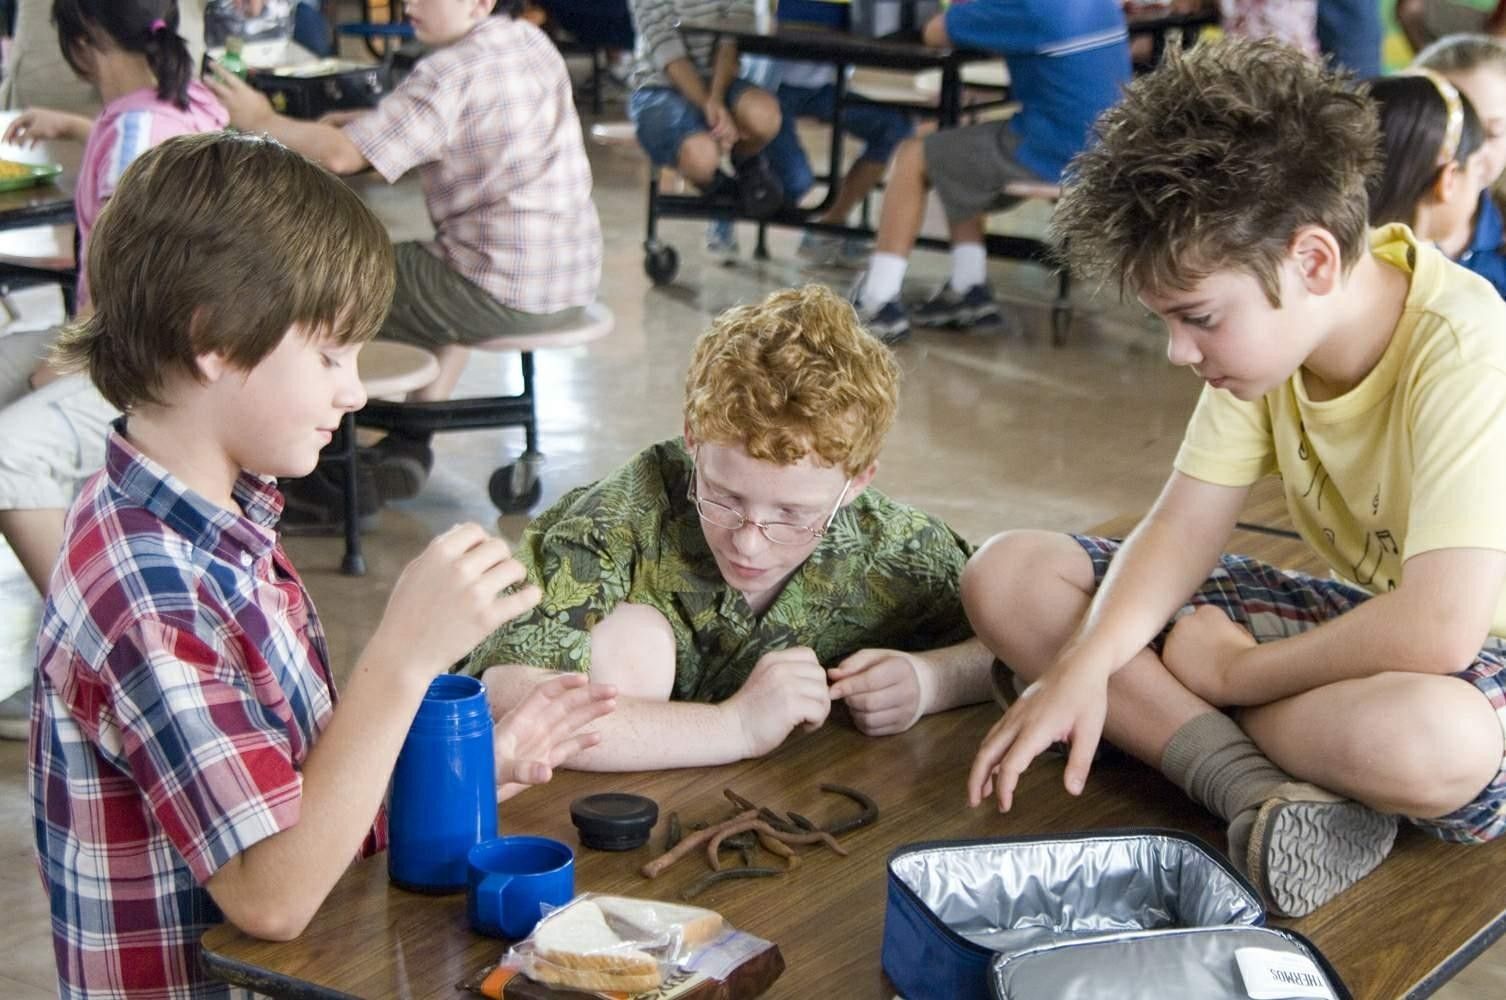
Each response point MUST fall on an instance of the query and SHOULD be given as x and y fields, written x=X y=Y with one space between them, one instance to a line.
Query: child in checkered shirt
x=488 y=119
x=188 y=761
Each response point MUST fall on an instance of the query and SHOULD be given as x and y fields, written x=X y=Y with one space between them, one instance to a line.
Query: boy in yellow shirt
x=1227 y=191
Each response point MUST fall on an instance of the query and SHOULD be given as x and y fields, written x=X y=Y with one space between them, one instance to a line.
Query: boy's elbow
x=269 y=909
x=272 y=920
x=345 y=160
x=338 y=153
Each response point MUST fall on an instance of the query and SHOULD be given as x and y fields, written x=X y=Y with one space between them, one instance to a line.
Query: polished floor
x=993 y=432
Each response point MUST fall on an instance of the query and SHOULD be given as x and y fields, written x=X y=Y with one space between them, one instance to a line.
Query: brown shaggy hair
x=223 y=242
x=792 y=376
x=1213 y=162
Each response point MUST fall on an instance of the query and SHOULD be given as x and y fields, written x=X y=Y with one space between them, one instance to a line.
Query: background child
x=1432 y=167
x=37 y=75
x=806 y=89
x=188 y=761
x=691 y=108
x=1067 y=62
x=1476 y=65
x=506 y=183
x=52 y=430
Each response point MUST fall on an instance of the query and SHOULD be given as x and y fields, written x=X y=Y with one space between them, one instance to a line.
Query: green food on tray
x=15 y=175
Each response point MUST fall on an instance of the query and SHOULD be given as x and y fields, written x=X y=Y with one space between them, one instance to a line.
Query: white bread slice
x=575 y=947
x=651 y=919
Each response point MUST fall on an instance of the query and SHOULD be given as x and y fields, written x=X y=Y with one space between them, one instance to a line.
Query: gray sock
x=1220 y=767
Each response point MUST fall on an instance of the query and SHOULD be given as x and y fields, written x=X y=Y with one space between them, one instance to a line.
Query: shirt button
x=246 y=559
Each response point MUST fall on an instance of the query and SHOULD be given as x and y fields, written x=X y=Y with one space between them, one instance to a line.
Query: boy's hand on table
x=787 y=688
x=451 y=597
x=339 y=118
x=249 y=109
x=1202 y=651
x=36 y=125
x=884 y=689
x=1068 y=705
x=546 y=729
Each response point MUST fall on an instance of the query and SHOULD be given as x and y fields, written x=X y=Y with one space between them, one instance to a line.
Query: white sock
x=886 y=273
x=969 y=266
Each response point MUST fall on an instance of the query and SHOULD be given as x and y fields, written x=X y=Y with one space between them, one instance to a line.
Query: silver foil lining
x=1191 y=964
x=1008 y=897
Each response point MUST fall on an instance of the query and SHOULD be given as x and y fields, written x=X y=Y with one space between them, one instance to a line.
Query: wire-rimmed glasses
x=778 y=532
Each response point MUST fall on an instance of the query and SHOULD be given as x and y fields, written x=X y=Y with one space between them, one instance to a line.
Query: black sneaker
x=315 y=504
x=950 y=309
x=759 y=192
x=890 y=322
x=399 y=465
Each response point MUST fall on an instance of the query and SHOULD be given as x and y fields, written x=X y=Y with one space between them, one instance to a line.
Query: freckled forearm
x=960 y=675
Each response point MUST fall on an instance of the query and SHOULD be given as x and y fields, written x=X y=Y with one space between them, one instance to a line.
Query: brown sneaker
x=1307 y=845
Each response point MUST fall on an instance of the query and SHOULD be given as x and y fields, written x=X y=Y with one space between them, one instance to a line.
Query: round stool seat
x=392 y=369
x=596 y=323
x=614 y=134
x=1033 y=189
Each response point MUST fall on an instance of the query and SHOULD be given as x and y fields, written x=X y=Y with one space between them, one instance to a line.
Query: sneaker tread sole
x=1302 y=854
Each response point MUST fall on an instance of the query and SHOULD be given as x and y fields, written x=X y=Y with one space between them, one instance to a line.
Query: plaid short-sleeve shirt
x=886 y=576
x=489 y=122
x=182 y=679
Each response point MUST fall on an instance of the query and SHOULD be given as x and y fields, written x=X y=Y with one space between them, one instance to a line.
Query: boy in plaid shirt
x=488 y=119
x=183 y=679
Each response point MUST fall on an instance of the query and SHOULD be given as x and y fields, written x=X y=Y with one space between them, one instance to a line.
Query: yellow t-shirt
x=1410 y=460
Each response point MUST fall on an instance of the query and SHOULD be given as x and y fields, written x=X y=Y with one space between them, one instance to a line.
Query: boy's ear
x=1320 y=262
x=1446 y=184
x=212 y=367
x=860 y=482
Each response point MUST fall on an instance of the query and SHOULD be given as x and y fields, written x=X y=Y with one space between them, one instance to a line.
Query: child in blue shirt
x=1433 y=164
x=1067 y=62
x=1476 y=65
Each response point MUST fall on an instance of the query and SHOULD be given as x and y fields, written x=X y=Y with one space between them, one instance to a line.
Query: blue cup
x=444 y=788
x=512 y=879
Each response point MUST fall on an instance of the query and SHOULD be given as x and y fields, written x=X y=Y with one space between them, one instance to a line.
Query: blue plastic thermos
x=444 y=794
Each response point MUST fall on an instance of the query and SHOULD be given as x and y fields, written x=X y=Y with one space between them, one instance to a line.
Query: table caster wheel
x=511 y=496
x=661 y=263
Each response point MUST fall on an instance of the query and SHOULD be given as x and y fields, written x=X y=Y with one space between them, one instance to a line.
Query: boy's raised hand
x=36 y=125
x=883 y=689
x=248 y=108
x=1066 y=705
x=451 y=597
x=546 y=729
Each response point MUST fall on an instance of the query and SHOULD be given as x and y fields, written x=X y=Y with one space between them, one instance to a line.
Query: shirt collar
x=205 y=525
x=1487 y=236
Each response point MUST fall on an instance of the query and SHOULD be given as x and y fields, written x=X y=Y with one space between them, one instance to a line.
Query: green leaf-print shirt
x=885 y=576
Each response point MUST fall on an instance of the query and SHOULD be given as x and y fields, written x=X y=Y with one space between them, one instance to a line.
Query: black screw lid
x=614 y=821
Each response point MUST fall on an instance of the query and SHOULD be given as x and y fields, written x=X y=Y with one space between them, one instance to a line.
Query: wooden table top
x=1401 y=932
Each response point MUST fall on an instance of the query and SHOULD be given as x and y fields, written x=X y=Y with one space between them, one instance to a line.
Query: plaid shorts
x=1275 y=603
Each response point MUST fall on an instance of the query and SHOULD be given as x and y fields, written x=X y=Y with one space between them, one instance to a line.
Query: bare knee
x=1002 y=590
x=758 y=116
x=634 y=648
x=1426 y=745
x=700 y=157
x=910 y=161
